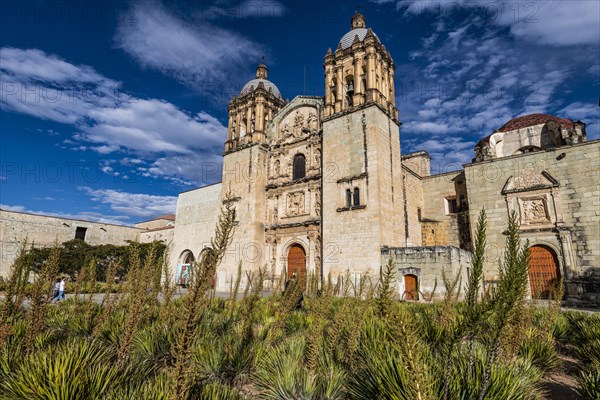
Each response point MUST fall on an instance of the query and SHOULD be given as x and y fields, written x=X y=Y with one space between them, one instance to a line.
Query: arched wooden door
x=297 y=263
x=410 y=287
x=544 y=273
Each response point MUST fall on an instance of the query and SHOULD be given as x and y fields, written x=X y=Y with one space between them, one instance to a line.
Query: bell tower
x=360 y=71
x=250 y=113
x=362 y=177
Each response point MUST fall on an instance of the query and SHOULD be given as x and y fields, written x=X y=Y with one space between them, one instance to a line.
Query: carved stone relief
x=297 y=124
x=528 y=180
x=534 y=210
x=295 y=204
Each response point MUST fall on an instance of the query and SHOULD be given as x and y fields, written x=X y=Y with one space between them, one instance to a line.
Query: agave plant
x=72 y=370
x=589 y=384
x=540 y=352
x=281 y=375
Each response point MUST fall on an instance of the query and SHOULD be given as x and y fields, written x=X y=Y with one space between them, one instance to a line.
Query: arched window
x=299 y=171
x=348 y=198
x=356 y=197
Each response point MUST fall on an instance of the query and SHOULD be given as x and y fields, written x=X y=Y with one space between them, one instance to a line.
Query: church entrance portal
x=544 y=273
x=410 y=287
x=296 y=262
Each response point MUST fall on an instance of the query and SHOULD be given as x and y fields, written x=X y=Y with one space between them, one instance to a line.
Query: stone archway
x=186 y=257
x=544 y=271
x=296 y=263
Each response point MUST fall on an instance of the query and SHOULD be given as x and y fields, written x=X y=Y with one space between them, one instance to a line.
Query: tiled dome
x=348 y=38
x=253 y=84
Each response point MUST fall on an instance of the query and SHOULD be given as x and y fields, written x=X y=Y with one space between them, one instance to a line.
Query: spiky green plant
x=589 y=384
x=15 y=292
x=201 y=277
x=509 y=294
x=385 y=288
x=42 y=286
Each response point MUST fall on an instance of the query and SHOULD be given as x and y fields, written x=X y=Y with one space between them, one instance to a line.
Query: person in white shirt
x=55 y=290
x=61 y=291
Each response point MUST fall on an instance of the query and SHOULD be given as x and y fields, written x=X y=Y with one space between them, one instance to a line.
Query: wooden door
x=297 y=263
x=410 y=287
x=544 y=273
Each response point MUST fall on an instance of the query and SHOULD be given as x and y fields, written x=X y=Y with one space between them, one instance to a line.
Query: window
x=348 y=198
x=356 y=197
x=451 y=205
x=299 y=171
x=80 y=233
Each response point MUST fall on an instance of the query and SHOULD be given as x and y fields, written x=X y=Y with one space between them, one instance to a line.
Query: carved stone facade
x=325 y=175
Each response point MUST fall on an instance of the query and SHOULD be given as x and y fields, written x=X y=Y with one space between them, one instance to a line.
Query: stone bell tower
x=250 y=113
x=245 y=165
x=360 y=71
x=362 y=177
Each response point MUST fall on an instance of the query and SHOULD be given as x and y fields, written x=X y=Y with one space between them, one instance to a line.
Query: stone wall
x=361 y=149
x=556 y=194
x=197 y=214
x=413 y=207
x=436 y=189
x=44 y=231
x=427 y=264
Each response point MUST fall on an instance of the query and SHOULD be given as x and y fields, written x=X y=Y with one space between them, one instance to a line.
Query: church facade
x=320 y=187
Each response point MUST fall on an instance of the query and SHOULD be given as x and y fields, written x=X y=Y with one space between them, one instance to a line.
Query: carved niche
x=298 y=124
x=295 y=203
x=535 y=197
x=534 y=210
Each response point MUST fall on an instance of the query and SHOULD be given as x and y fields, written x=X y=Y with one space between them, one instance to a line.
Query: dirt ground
x=561 y=383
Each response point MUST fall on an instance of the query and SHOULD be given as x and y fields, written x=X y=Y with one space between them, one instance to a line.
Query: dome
x=348 y=38
x=359 y=28
x=253 y=84
x=535 y=119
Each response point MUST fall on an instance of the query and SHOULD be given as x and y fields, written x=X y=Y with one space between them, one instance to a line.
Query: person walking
x=55 y=290
x=61 y=291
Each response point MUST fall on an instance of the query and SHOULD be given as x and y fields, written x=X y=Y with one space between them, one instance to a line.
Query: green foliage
x=589 y=384
x=370 y=346
x=76 y=253
x=539 y=352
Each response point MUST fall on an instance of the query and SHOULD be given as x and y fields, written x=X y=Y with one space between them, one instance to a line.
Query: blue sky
x=110 y=109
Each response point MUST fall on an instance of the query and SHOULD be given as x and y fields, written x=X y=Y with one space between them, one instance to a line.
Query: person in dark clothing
x=292 y=288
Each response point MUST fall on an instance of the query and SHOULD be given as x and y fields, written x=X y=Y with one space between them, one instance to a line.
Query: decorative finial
x=357 y=21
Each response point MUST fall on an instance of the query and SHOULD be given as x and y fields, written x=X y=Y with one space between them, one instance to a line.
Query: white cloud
x=556 y=23
x=447 y=154
x=108 y=119
x=200 y=168
x=246 y=9
x=194 y=52
x=84 y=216
x=473 y=77
x=133 y=204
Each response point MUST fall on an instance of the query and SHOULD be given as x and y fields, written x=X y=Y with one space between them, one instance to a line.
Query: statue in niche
x=298 y=124
x=317 y=158
x=312 y=122
x=285 y=131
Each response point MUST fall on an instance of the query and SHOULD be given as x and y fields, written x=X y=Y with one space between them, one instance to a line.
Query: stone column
x=260 y=118
x=340 y=94
x=357 y=89
x=370 y=74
